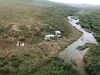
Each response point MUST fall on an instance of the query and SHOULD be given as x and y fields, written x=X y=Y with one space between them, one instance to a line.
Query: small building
x=49 y=37
x=57 y=33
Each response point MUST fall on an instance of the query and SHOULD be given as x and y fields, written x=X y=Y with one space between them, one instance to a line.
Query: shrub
x=16 y=63
x=26 y=54
x=15 y=60
x=67 y=66
x=15 y=35
x=75 y=71
x=2 y=65
x=40 y=56
x=87 y=57
x=82 y=47
x=23 y=27
x=26 y=36
x=5 y=36
x=73 y=62
x=15 y=70
x=22 y=39
x=2 y=57
x=48 y=60
x=33 y=69
x=37 y=33
x=46 y=54
x=5 y=70
x=14 y=57
x=5 y=62
x=55 y=57
x=78 y=23
x=1 y=30
x=94 y=66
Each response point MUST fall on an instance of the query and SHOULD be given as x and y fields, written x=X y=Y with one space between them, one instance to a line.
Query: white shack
x=57 y=33
x=49 y=37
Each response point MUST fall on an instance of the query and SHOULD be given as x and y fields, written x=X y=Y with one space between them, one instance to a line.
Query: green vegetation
x=90 y=22
x=13 y=61
x=58 y=67
x=26 y=54
x=29 y=26
x=93 y=68
x=87 y=45
x=22 y=39
x=87 y=58
x=73 y=62
x=4 y=70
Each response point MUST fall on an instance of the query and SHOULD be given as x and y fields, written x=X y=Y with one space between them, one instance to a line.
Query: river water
x=72 y=53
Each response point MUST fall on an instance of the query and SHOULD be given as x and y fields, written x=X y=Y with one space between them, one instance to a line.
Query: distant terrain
x=82 y=5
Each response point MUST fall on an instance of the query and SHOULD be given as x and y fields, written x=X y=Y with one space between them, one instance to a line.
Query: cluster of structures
x=20 y=44
x=51 y=36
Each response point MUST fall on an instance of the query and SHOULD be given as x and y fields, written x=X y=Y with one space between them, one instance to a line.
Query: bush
x=56 y=57
x=14 y=57
x=5 y=62
x=15 y=70
x=5 y=70
x=15 y=35
x=22 y=39
x=87 y=45
x=73 y=62
x=37 y=33
x=23 y=27
x=1 y=30
x=26 y=36
x=2 y=65
x=5 y=36
x=33 y=69
x=67 y=66
x=15 y=60
x=16 y=63
x=26 y=54
x=82 y=47
x=75 y=71
x=46 y=54
x=48 y=60
x=94 y=66
x=2 y=58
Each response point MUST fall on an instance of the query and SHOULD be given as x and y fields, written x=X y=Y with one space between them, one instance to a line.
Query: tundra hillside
x=29 y=21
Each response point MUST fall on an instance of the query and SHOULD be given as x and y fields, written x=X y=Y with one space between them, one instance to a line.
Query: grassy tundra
x=29 y=21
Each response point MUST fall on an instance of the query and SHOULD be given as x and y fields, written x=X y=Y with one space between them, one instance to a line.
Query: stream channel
x=72 y=53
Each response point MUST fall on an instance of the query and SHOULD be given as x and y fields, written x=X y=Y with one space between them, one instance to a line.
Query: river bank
x=72 y=53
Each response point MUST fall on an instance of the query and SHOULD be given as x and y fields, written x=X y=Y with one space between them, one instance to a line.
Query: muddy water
x=72 y=53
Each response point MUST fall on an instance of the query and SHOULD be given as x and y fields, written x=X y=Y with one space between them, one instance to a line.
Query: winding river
x=72 y=53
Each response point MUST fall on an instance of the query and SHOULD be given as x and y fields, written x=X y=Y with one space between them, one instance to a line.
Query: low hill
x=28 y=22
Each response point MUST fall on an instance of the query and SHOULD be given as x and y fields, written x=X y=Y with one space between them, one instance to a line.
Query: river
x=72 y=53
